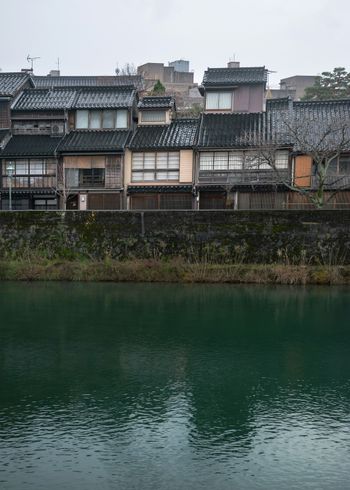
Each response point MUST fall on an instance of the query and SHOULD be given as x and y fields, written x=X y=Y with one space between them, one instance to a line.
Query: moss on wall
x=228 y=237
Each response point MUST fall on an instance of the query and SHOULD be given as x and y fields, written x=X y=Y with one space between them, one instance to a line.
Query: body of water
x=123 y=386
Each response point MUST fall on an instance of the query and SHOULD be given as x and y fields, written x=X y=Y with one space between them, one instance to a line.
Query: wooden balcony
x=244 y=177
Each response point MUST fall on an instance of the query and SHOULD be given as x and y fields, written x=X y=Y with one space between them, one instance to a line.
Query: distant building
x=176 y=78
x=293 y=87
x=180 y=65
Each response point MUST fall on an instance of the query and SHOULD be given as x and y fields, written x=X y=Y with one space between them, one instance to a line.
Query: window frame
x=123 y=116
x=151 y=173
x=219 y=94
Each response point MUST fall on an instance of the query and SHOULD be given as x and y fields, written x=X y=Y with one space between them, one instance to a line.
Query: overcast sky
x=300 y=37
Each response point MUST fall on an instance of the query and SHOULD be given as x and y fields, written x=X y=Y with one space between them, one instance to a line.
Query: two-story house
x=92 y=153
x=38 y=123
x=319 y=132
x=231 y=171
x=159 y=162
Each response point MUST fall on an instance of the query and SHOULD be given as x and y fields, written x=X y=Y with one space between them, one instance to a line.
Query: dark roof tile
x=10 y=83
x=45 y=99
x=228 y=130
x=26 y=146
x=313 y=118
x=104 y=97
x=89 y=81
x=215 y=77
x=180 y=133
x=153 y=102
x=89 y=141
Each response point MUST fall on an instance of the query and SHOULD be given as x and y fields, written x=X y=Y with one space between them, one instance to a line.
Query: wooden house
x=101 y=121
x=159 y=162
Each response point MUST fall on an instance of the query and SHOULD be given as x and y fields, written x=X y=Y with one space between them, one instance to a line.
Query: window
x=72 y=177
x=219 y=100
x=153 y=116
x=91 y=177
x=122 y=119
x=344 y=165
x=206 y=161
x=107 y=119
x=21 y=168
x=95 y=119
x=282 y=160
x=236 y=160
x=30 y=173
x=37 y=167
x=152 y=166
x=82 y=121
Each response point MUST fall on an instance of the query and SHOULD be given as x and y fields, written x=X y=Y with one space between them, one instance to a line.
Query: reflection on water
x=172 y=387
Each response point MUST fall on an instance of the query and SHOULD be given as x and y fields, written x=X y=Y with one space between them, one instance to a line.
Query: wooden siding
x=302 y=171
x=84 y=162
x=99 y=201
x=186 y=166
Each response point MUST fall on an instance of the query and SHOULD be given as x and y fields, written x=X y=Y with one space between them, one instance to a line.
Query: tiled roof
x=89 y=81
x=10 y=83
x=311 y=118
x=152 y=102
x=4 y=133
x=45 y=99
x=180 y=133
x=135 y=189
x=74 y=98
x=228 y=130
x=104 y=97
x=234 y=76
x=87 y=141
x=21 y=146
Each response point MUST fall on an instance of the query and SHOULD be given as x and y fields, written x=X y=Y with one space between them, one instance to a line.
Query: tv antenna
x=31 y=60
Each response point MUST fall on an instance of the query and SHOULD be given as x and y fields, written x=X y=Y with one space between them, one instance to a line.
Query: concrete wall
x=300 y=237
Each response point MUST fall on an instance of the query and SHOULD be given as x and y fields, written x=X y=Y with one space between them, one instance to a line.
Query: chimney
x=233 y=64
x=54 y=73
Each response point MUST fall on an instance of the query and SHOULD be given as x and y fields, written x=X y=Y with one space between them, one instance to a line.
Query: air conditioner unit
x=57 y=128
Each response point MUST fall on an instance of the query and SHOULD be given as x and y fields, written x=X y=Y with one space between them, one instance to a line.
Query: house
x=319 y=132
x=37 y=124
x=234 y=89
x=159 y=163
x=11 y=85
x=67 y=143
x=231 y=171
x=101 y=121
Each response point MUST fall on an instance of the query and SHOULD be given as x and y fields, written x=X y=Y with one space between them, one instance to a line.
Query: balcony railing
x=30 y=182
x=332 y=181
x=244 y=177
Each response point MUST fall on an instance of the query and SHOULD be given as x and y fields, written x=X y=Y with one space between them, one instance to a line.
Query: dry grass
x=175 y=270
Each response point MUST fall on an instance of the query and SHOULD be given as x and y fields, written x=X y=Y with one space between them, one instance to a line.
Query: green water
x=108 y=386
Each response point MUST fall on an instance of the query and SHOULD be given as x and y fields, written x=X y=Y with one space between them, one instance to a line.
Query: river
x=141 y=386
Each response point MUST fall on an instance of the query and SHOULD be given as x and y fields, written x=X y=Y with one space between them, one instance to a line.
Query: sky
x=300 y=37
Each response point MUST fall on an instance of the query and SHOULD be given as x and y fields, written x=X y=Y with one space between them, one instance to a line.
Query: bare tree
x=323 y=141
x=128 y=69
x=63 y=188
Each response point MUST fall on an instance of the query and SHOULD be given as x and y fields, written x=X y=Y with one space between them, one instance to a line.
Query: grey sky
x=91 y=36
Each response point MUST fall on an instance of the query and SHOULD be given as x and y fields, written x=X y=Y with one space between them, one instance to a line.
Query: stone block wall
x=295 y=237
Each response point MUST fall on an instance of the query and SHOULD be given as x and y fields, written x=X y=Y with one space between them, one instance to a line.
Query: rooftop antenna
x=268 y=78
x=31 y=60
x=58 y=64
